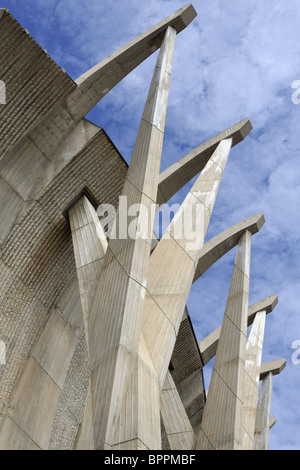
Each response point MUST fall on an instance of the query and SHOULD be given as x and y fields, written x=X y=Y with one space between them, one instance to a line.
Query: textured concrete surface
x=254 y=349
x=221 y=427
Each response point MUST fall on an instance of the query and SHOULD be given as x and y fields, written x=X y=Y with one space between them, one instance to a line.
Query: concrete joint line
x=263 y=407
x=153 y=125
x=181 y=432
x=37 y=147
x=51 y=378
x=243 y=272
x=9 y=417
x=217 y=164
x=153 y=298
x=208 y=438
x=139 y=190
x=109 y=352
x=245 y=430
x=249 y=376
x=124 y=268
x=201 y=202
x=228 y=386
x=14 y=189
x=184 y=251
x=238 y=328
x=123 y=442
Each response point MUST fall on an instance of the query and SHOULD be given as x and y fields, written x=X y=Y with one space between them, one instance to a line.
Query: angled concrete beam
x=90 y=246
x=219 y=245
x=114 y=325
x=208 y=346
x=263 y=419
x=44 y=140
x=275 y=367
x=254 y=349
x=174 y=260
x=264 y=422
x=99 y=80
x=272 y=422
x=176 y=176
x=178 y=428
x=221 y=427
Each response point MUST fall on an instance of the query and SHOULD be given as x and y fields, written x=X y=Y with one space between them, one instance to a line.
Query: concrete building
x=98 y=350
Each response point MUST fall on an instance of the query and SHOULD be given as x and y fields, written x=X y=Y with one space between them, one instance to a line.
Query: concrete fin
x=177 y=175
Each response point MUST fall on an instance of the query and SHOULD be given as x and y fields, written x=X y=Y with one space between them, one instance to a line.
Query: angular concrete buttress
x=99 y=80
x=262 y=424
x=208 y=346
x=174 y=260
x=177 y=175
x=219 y=245
x=114 y=326
x=221 y=427
x=90 y=246
x=178 y=428
x=251 y=383
x=40 y=141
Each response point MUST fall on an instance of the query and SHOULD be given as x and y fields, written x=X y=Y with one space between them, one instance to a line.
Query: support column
x=221 y=427
x=90 y=246
x=208 y=346
x=262 y=424
x=116 y=317
x=251 y=383
x=178 y=428
x=174 y=260
x=177 y=175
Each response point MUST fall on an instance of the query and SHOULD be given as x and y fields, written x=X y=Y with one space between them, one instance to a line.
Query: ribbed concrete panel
x=178 y=428
x=99 y=80
x=219 y=245
x=262 y=424
x=208 y=346
x=173 y=263
x=251 y=382
x=114 y=329
x=90 y=246
x=176 y=176
x=12 y=436
x=221 y=426
x=34 y=82
x=38 y=266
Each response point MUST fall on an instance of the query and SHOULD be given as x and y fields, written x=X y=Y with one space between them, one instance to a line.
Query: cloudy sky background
x=237 y=59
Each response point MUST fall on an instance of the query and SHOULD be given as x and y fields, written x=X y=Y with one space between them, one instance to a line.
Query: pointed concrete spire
x=262 y=424
x=221 y=426
x=177 y=175
x=90 y=246
x=178 y=428
x=43 y=142
x=276 y=367
x=251 y=383
x=174 y=260
x=219 y=245
x=99 y=80
x=208 y=346
x=114 y=324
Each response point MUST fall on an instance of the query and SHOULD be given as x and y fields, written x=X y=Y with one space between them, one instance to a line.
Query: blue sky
x=237 y=59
